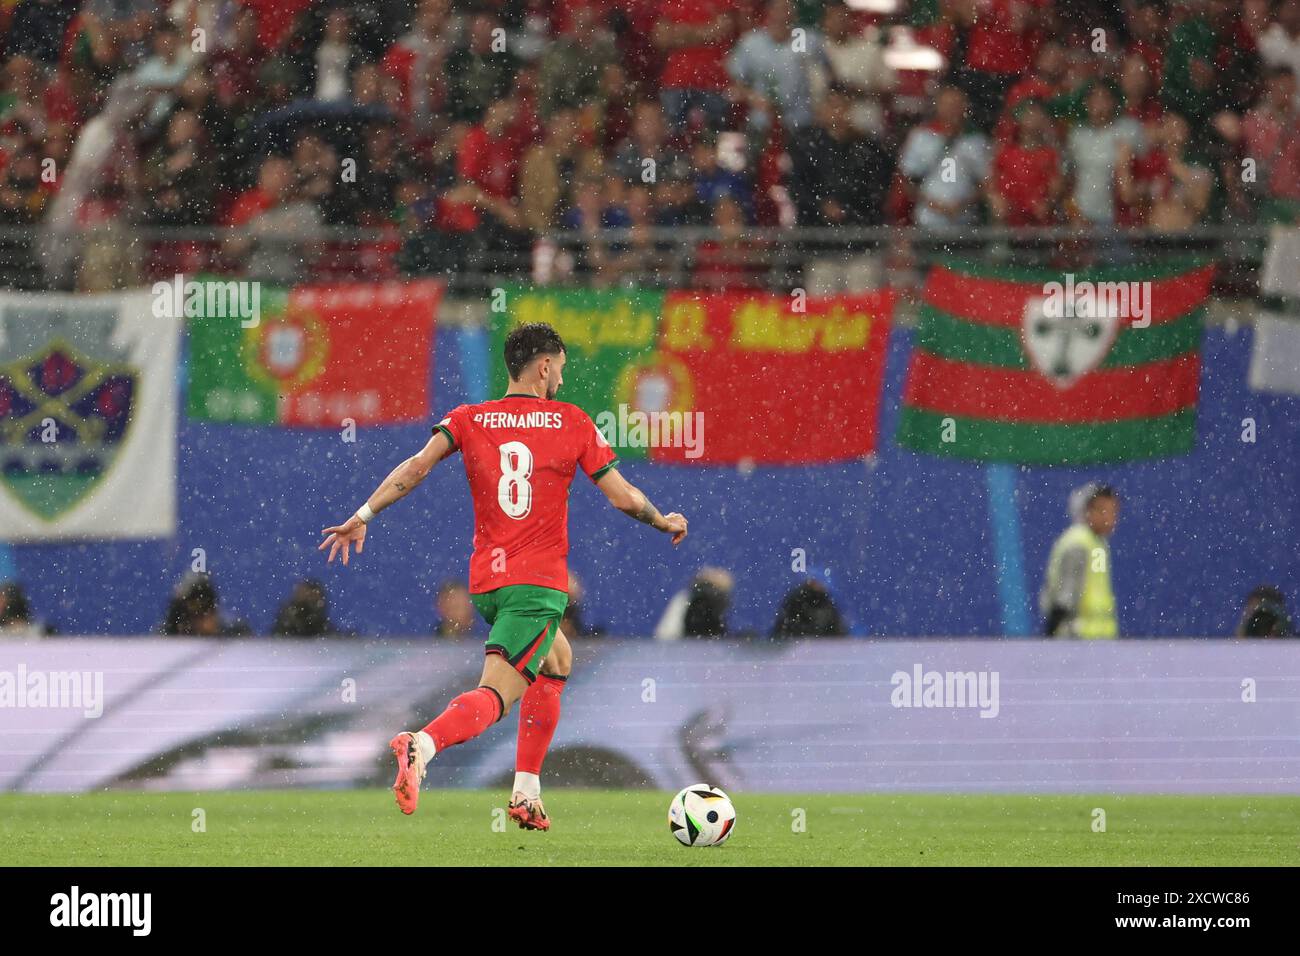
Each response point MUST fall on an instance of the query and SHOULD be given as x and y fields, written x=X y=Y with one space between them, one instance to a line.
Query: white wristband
x=365 y=514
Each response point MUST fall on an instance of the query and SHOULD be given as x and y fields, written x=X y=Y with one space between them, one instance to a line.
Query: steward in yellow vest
x=1077 y=599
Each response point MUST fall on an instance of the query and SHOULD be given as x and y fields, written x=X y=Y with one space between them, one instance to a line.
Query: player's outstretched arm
x=399 y=483
x=631 y=500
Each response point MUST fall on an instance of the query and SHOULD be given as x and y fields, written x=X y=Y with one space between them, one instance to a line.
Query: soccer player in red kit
x=521 y=453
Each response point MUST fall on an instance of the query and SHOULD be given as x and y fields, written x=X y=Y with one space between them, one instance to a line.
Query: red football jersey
x=521 y=453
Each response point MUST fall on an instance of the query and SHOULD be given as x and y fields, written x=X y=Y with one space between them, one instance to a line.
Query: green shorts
x=524 y=619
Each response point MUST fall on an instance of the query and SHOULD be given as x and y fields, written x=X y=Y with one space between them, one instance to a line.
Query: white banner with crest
x=88 y=406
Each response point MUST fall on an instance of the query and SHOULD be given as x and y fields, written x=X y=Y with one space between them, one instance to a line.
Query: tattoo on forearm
x=400 y=486
x=648 y=514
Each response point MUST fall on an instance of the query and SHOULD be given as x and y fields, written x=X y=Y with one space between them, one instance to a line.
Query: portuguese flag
x=716 y=378
x=1051 y=368
x=316 y=355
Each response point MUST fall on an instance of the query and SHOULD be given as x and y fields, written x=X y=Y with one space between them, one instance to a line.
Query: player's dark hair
x=526 y=342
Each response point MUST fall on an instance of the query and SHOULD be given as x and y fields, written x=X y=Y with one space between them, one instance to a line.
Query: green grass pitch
x=464 y=827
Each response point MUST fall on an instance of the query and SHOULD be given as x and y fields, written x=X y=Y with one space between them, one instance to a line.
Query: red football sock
x=465 y=718
x=539 y=712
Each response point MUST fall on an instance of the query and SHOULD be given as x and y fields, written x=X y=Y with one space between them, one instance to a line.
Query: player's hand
x=352 y=531
x=675 y=525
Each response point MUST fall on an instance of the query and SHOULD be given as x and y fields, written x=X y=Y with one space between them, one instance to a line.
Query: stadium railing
x=819 y=260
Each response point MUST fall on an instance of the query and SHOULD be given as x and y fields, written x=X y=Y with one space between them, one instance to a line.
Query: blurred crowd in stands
x=460 y=129
x=700 y=610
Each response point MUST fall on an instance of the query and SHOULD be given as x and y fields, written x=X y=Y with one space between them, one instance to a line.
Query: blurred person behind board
x=455 y=610
x=306 y=613
x=194 y=611
x=699 y=609
x=1077 y=599
x=706 y=614
x=1265 y=614
x=809 y=611
x=16 y=613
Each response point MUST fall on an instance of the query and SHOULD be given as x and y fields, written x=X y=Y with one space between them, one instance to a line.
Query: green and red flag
x=316 y=355
x=1051 y=368
x=717 y=378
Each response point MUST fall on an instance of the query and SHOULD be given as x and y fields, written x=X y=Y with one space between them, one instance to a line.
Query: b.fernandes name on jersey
x=520 y=419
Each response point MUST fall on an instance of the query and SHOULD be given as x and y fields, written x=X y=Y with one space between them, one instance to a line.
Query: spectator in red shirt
x=1138 y=179
x=487 y=162
x=1026 y=183
x=564 y=14
x=1147 y=37
x=695 y=37
x=418 y=62
x=1001 y=45
x=235 y=68
x=280 y=228
x=489 y=156
x=526 y=127
x=1048 y=83
x=633 y=23
x=275 y=181
x=1271 y=134
x=1004 y=36
x=1137 y=86
x=62 y=103
x=276 y=20
x=1162 y=189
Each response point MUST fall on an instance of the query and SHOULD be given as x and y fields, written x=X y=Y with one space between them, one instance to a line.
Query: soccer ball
x=701 y=815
